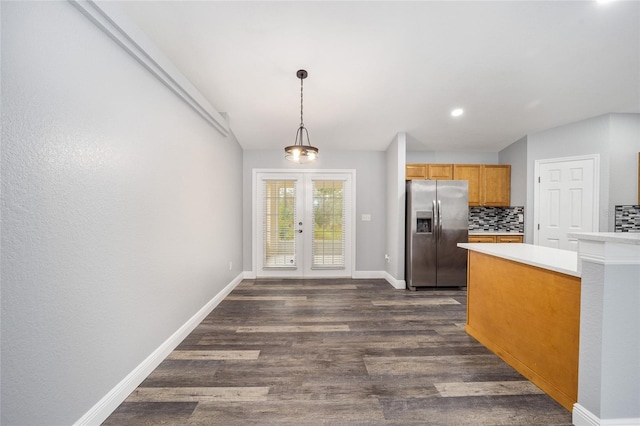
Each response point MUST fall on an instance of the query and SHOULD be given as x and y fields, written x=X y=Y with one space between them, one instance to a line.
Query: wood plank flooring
x=338 y=352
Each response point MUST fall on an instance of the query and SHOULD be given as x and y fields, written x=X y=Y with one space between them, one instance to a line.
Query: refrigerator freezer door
x=420 y=242
x=453 y=223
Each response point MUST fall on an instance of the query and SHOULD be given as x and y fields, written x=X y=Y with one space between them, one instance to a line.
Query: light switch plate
x=366 y=218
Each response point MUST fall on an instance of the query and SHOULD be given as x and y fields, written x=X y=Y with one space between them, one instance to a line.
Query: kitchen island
x=523 y=303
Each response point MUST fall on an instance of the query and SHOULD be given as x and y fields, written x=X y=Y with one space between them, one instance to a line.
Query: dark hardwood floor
x=336 y=352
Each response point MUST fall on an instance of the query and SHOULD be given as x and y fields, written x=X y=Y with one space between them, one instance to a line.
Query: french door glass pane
x=328 y=224
x=279 y=223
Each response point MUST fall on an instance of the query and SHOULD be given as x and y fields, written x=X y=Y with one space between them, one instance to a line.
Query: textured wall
x=120 y=213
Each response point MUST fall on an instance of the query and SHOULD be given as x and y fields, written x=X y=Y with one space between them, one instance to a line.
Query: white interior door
x=304 y=224
x=567 y=200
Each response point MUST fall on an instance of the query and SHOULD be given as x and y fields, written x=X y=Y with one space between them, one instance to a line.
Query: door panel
x=567 y=201
x=472 y=173
x=327 y=247
x=453 y=211
x=496 y=181
x=280 y=206
x=421 y=234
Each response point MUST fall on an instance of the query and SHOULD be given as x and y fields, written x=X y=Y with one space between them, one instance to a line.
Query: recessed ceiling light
x=457 y=112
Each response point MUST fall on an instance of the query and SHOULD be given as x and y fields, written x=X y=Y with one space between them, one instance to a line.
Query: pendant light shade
x=300 y=152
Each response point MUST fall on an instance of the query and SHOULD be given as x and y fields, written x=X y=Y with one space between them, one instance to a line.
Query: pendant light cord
x=301 y=120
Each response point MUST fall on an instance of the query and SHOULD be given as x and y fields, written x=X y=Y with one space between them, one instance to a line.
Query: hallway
x=336 y=352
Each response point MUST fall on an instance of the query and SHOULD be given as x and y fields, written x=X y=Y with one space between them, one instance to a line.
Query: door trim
x=254 y=213
x=536 y=193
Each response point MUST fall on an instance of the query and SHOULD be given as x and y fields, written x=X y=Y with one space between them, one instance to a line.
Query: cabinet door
x=509 y=238
x=472 y=174
x=482 y=239
x=416 y=171
x=440 y=171
x=496 y=185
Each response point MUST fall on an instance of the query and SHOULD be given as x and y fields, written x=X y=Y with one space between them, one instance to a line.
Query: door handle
x=439 y=219
x=434 y=215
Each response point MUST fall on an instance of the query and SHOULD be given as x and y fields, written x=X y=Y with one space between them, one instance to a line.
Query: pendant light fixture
x=299 y=152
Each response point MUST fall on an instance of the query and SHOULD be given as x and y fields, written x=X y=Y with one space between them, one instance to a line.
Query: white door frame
x=536 y=193
x=350 y=244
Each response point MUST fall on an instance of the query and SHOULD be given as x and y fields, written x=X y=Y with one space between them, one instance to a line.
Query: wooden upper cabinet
x=496 y=185
x=489 y=184
x=416 y=171
x=440 y=171
x=473 y=174
x=429 y=171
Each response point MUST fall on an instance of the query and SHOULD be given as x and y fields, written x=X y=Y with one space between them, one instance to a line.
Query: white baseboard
x=99 y=412
x=399 y=284
x=368 y=275
x=357 y=275
x=583 y=417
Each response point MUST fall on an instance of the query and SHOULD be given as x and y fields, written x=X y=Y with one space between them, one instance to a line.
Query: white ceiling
x=379 y=68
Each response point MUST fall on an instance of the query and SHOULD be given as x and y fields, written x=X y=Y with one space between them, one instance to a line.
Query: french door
x=303 y=223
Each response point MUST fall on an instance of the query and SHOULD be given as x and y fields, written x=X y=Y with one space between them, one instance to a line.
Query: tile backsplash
x=499 y=219
x=627 y=219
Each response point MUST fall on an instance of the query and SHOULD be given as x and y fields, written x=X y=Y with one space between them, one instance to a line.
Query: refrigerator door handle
x=435 y=219
x=439 y=219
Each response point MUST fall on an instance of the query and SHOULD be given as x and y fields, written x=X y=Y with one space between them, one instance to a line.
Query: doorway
x=304 y=223
x=566 y=200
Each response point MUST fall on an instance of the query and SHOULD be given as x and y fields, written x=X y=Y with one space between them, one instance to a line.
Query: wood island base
x=529 y=317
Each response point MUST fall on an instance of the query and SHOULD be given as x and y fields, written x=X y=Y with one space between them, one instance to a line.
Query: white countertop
x=563 y=261
x=611 y=237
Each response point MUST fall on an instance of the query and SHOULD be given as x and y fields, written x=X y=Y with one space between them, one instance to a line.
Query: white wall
x=516 y=155
x=624 y=146
x=395 y=174
x=370 y=198
x=455 y=157
x=120 y=213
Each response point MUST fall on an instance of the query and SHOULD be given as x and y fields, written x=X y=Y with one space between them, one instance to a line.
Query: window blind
x=279 y=212
x=328 y=219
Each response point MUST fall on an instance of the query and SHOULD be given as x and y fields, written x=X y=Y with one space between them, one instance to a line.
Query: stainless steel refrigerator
x=437 y=220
